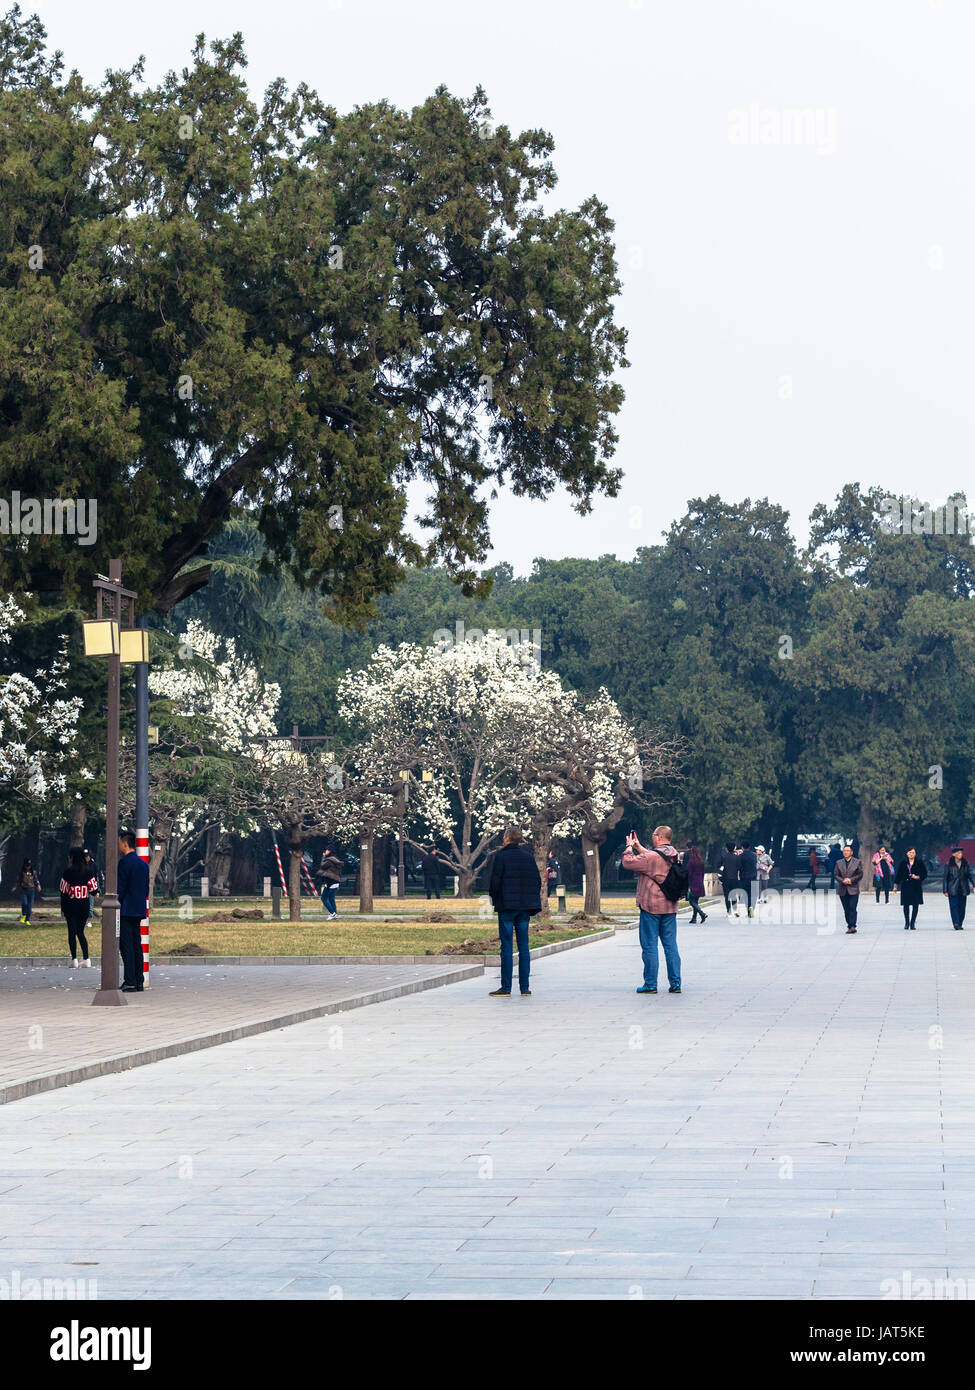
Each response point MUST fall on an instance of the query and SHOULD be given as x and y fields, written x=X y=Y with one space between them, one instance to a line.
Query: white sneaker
x=333 y=916
x=73 y=964
x=86 y=964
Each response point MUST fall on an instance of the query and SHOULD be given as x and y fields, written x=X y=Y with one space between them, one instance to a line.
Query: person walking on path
x=79 y=888
x=883 y=873
x=516 y=893
x=553 y=873
x=956 y=885
x=430 y=867
x=814 y=868
x=728 y=874
x=695 y=883
x=910 y=877
x=27 y=885
x=764 y=871
x=330 y=874
x=133 y=896
x=748 y=873
x=662 y=882
x=849 y=873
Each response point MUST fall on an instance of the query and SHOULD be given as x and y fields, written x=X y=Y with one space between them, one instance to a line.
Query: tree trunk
x=294 y=882
x=78 y=817
x=541 y=840
x=867 y=835
x=365 y=871
x=591 y=868
x=466 y=877
x=380 y=865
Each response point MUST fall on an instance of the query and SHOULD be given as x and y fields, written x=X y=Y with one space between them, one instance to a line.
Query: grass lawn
x=350 y=935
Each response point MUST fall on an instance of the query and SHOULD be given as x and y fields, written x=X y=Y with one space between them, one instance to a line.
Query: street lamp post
x=103 y=637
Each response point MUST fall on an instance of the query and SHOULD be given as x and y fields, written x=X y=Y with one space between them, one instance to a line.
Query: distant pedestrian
x=133 y=895
x=910 y=877
x=956 y=885
x=883 y=873
x=661 y=883
x=516 y=894
x=814 y=869
x=430 y=867
x=695 y=883
x=848 y=875
x=832 y=859
x=728 y=874
x=330 y=876
x=748 y=874
x=553 y=873
x=28 y=884
x=764 y=870
x=79 y=886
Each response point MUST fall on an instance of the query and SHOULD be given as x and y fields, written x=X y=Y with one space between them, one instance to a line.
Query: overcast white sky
x=843 y=262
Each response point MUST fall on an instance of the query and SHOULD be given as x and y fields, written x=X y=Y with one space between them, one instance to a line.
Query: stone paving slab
x=798 y=1124
x=51 y=1036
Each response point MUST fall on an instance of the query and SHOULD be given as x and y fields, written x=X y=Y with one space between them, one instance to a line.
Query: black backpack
x=674 y=886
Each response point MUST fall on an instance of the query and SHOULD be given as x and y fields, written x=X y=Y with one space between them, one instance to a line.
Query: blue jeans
x=511 y=924
x=27 y=904
x=328 y=896
x=660 y=926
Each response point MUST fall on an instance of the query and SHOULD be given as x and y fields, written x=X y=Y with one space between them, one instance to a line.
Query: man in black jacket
x=728 y=874
x=747 y=872
x=430 y=865
x=516 y=892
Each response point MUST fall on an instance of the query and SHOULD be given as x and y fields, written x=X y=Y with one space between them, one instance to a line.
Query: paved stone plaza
x=799 y=1123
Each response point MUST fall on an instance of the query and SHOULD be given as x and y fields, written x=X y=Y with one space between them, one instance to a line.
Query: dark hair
x=513 y=835
x=695 y=854
x=25 y=866
x=745 y=844
x=127 y=837
x=76 y=857
x=729 y=845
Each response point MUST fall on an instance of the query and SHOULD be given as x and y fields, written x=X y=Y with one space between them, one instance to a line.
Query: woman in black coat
x=956 y=886
x=909 y=879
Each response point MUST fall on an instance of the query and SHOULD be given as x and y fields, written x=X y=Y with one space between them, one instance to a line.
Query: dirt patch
x=239 y=914
x=189 y=948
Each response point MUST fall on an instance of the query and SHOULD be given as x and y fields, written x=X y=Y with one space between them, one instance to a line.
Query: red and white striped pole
x=142 y=850
x=277 y=855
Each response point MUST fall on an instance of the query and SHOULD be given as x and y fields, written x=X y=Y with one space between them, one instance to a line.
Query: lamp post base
x=109 y=996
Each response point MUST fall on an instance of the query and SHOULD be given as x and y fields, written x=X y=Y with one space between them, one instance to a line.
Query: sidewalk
x=50 y=1035
x=799 y=1123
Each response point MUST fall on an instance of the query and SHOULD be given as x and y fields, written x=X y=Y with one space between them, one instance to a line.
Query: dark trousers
x=910 y=913
x=726 y=889
x=812 y=882
x=849 y=901
x=77 y=920
x=431 y=885
x=957 y=903
x=882 y=887
x=694 y=904
x=130 y=945
x=511 y=925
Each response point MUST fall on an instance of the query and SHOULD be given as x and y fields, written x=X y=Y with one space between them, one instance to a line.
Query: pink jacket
x=650 y=865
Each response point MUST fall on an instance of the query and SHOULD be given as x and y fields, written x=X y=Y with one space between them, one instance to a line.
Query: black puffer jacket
x=516 y=885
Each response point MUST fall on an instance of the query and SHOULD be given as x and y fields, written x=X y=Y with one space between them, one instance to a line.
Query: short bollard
x=275 y=902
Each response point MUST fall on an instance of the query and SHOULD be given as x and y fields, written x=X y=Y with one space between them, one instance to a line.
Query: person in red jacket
x=79 y=887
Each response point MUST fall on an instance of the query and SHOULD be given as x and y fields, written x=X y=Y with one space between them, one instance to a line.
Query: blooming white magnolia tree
x=588 y=762
x=219 y=708
x=465 y=716
x=210 y=681
x=38 y=726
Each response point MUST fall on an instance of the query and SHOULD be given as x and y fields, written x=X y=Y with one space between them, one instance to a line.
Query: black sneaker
x=525 y=991
x=674 y=989
x=495 y=992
